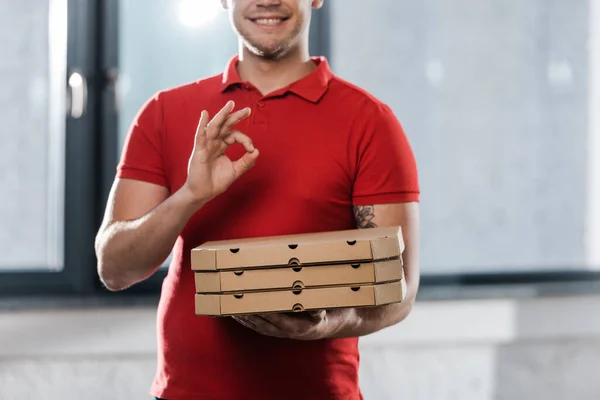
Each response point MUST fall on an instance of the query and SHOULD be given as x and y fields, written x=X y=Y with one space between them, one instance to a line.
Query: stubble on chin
x=269 y=51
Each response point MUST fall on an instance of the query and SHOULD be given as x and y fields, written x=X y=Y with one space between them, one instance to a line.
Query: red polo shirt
x=325 y=145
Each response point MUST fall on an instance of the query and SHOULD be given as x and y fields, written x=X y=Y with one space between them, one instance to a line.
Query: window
x=496 y=99
x=33 y=103
x=47 y=154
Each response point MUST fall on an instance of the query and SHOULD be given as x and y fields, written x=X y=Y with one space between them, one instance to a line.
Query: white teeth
x=268 y=21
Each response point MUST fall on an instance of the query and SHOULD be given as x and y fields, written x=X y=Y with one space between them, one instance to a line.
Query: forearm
x=130 y=251
x=372 y=319
x=365 y=321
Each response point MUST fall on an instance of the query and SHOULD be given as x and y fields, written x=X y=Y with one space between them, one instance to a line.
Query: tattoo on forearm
x=364 y=216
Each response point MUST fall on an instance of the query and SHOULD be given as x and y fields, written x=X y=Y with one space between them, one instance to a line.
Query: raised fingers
x=233 y=119
x=214 y=126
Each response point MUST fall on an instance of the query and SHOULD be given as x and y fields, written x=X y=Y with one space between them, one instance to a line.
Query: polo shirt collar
x=230 y=75
x=312 y=87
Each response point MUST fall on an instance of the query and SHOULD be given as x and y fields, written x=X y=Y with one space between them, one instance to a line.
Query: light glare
x=197 y=13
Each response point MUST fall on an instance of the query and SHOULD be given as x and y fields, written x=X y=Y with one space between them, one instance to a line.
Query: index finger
x=201 y=128
x=214 y=126
x=233 y=119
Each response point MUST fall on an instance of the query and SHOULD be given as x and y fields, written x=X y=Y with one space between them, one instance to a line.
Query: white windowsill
x=132 y=331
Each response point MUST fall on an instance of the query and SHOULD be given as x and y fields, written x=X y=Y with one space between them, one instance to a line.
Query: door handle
x=78 y=95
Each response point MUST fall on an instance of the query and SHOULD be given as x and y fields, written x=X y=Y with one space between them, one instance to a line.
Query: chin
x=268 y=52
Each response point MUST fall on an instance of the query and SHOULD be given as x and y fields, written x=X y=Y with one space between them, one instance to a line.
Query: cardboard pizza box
x=299 y=300
x=348 y=246
x=299 y=277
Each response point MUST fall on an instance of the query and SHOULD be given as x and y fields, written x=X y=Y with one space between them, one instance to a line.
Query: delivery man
x=276 y=144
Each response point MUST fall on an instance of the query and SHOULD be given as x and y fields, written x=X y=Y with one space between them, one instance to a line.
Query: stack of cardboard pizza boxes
x=293 y=273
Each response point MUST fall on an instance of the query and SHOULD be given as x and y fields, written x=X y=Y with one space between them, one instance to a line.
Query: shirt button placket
x=259 y=116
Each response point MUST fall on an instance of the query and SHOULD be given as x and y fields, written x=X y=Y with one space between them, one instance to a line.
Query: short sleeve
x=142 y=154
x=386 y=166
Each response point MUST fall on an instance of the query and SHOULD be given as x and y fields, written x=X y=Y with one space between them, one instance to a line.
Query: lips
x=269 y=20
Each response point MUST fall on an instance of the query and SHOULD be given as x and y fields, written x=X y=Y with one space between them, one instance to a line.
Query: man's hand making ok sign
x=210 y=171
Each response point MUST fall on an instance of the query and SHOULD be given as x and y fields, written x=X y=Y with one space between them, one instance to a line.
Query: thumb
x=246 y=162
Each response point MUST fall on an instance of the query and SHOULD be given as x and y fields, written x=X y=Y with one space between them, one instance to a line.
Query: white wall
x=494 y=96
x=469 y=350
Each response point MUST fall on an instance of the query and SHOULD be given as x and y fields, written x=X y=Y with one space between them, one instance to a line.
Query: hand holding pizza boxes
x=293 y=273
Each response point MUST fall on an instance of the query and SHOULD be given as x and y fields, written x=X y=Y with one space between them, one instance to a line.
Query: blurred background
x=500 y=100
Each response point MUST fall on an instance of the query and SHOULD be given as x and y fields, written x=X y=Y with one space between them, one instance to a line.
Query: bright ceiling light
x=196 y=13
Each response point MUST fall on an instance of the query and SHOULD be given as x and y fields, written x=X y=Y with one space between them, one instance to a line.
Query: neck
x=270 y=75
